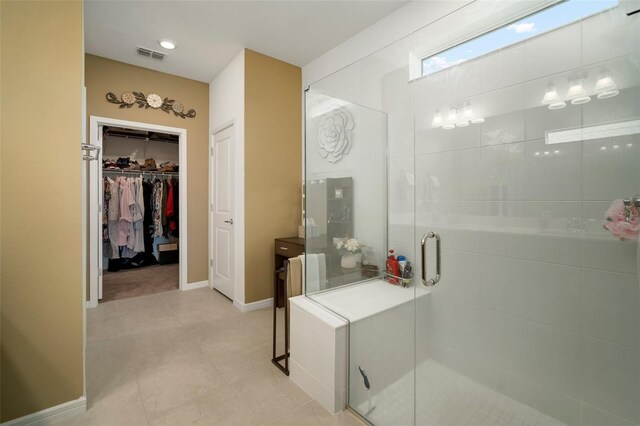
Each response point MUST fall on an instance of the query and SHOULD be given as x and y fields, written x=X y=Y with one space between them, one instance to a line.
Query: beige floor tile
x=171 y=385
x=189 y=358
x=106 y=329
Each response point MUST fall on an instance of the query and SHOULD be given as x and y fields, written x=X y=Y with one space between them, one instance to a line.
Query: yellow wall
x=104 y=75
x=40 y=175
x=272 y=152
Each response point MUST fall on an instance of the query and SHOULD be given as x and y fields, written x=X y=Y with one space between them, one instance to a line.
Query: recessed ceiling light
x=167 y=44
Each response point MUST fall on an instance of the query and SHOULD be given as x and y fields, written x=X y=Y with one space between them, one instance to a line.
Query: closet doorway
x=141 y=249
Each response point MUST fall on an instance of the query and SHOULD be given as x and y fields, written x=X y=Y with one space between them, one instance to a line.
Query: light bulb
x=468 y=112
x=552 y=99
x=557 y=105
x=605 y=83
x=477 y=120
x=608 y=94
x=551 y=95
x=437 y=119
x=167 y=44
x=449 y=126
x=462 y=124
x=453 y=115
x=577 y=93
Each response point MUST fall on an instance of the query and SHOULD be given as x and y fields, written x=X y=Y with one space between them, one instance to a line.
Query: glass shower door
x=520 y=155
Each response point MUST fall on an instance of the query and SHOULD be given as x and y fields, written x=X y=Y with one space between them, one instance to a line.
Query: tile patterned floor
x=182 y=358
x=449 y=399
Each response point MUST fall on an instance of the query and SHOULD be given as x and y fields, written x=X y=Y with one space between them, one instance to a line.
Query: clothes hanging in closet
x=133 y=214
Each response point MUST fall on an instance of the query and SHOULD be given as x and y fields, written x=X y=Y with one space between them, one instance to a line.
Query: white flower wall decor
x=154 y=101
x=335 y=134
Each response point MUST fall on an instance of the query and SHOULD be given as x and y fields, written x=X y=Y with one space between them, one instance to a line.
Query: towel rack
x=276 y=359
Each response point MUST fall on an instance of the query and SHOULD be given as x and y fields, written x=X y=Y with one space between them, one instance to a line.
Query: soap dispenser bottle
x=393 y=268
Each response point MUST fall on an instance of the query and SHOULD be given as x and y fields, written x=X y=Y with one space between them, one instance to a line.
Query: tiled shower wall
x=536 y=301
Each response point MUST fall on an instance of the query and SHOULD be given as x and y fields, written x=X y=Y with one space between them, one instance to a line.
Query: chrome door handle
x=432 y=281
x=230 y=221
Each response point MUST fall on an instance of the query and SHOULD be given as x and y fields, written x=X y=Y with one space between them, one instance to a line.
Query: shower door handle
x=432 y=281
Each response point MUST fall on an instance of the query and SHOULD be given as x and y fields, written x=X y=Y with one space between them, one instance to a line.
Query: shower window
x=531 y=26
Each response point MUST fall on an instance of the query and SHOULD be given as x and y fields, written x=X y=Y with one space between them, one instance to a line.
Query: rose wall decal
x=335 y=134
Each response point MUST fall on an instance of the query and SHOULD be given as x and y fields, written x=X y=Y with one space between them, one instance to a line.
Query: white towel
x=312 y=272
x=304 y=273
x=322 y=269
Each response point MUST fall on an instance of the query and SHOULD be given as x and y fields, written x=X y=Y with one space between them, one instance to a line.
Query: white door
x=95 y=197
x=222 y=261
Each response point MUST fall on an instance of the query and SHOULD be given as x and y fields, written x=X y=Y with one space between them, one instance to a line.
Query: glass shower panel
x=365 y=191
x=520 y=155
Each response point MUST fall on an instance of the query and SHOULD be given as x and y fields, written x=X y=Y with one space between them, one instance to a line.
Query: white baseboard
x=197 y=284
x=47 y=416
x=247 y=307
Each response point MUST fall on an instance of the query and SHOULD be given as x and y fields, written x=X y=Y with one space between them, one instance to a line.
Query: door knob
x=230 y=221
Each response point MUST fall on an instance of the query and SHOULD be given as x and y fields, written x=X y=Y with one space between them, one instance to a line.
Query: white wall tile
x=592 y=416
x=608 y=35
x=610 y=378
x=401 y=177
x=611 y=306
x=625 y=106
x=553 y=52
x=609 y=255
x=512 y=65
x=553 y=172
x=400 y=137
x=550 y=358
x=610 y=168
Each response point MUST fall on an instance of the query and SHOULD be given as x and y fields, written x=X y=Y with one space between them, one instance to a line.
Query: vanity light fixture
x=552 y=99
x=437 y=119
x=167 y=44
x=605 y=86
x=451 y=119
x=576 y=92
x=467 y=111
x=453 y=115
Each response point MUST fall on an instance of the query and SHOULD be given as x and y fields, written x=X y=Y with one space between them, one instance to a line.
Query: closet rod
x=138 y=172
x=143 y=138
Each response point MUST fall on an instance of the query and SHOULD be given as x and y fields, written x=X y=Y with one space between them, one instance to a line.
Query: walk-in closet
x=140 y=200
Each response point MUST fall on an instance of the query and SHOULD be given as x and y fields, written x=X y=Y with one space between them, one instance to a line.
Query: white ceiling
x=208 y=34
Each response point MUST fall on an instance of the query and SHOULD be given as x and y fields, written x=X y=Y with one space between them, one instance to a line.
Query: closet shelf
x=138 y=172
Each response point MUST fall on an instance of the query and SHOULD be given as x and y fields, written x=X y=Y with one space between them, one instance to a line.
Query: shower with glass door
x=498 y=151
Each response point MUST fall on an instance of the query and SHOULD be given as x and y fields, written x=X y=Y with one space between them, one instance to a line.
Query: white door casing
x=95 y=201
x=222 y=262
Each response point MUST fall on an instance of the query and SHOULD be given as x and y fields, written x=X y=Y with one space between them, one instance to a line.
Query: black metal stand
x=276 y=360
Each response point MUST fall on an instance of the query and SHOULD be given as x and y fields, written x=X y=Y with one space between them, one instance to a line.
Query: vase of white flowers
x=348 y=247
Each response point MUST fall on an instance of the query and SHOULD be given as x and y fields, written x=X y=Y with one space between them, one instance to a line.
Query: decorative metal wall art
x=335 y=134
x=129 y=99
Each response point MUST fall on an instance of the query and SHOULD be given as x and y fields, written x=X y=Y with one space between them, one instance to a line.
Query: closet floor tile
x=177 y=358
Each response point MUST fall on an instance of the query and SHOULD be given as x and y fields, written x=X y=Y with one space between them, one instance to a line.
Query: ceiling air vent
x=148 y=53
